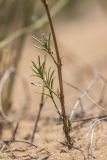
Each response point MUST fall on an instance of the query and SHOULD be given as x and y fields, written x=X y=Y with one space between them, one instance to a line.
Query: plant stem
x=40 y=108
x=38 y=115
x=59 y=69
x=51 y=96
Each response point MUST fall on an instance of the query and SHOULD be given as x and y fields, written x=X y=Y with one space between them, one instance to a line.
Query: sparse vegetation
x=48 y=76
x=63 y=114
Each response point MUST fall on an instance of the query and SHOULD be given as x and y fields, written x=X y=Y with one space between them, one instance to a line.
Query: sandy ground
x=83 y=47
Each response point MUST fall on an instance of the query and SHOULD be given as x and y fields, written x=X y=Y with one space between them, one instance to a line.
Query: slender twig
x=12 y=139
x=53 y=58
x=40 y=107
x=3 y=80
x=83 y=94
x=58 y=111
x=20 y=141
x=51 y=90
x=94 y=124
x=38 y=116
x=14 y=133
x=91 y=133
x=59 y=69
x=89 y=118
x=101 y=97
x=51 y=96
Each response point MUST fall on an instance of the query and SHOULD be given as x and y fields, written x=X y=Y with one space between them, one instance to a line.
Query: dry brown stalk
x=38 y=116
x=69 y=141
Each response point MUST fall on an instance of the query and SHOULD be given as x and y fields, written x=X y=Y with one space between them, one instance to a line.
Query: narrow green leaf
x=52 y=83
x=52 y=74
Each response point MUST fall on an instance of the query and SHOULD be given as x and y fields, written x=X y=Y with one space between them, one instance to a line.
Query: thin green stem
x=51 y=96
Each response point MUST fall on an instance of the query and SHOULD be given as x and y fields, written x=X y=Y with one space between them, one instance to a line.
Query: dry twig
x=3 y=80
x=86 y=93
x=38 y=116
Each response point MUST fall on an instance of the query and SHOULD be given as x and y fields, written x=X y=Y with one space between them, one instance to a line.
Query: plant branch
x=38 y=115
x=51 y=96
x=59 y=69
x=3 y=80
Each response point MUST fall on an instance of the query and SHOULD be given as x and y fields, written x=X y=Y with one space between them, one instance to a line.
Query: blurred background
x=81 y=30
